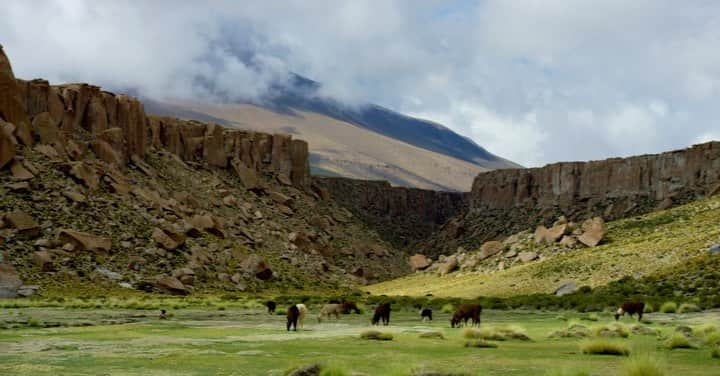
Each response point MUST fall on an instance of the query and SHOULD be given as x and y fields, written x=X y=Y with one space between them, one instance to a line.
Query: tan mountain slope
x=341 y=148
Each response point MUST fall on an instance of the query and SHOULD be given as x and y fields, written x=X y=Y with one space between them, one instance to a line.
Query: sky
x=534 y=81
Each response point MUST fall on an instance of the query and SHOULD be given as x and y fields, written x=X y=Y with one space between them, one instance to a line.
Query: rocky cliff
x=502 y=202
x=96 y=194
x=404 y=216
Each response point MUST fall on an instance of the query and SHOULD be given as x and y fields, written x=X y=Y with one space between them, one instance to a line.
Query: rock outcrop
x=402 y=215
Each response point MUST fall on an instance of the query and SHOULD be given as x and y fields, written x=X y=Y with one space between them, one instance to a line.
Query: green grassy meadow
x=241 y=339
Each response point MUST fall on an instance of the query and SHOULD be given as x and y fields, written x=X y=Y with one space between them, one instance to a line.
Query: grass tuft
x=715 y=352
x=642 y=365
x=437 y=335
x=376 y=335
x=603 y=346
x=501 y=333
x=480 y=344
x=566 y=372
x=614 y=330
x=688 y=307
x=447 y=308
x=678 y=341
x=668 y=307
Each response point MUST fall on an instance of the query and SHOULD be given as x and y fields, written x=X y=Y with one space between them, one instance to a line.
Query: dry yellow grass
x=654 y=243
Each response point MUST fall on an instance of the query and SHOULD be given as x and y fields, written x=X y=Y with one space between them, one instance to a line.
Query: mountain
x=358 y=141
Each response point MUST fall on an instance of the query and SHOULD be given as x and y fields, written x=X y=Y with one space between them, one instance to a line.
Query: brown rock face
x=168 y=239
x=419 y=261
x=403 y=215
x=171 y=285
x=86 y=174
x=19 y=171
x=85 y=242
x=490 y=248
x=9 y=281
x=7 y=147
x=44 y=261
x=594 y=231
x=23 y=223
x=448 y=266
x=256 y=266
x=12 y=106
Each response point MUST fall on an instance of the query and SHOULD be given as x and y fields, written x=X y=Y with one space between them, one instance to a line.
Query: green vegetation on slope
x=669 y=248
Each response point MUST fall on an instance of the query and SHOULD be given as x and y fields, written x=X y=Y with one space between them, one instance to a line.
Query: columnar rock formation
x=117 y=128
x=405 y=215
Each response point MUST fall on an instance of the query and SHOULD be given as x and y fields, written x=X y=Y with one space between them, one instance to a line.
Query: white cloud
x=598 y=78
x=518 y=139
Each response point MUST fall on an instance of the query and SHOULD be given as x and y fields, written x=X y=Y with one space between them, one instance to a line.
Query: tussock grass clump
x=678 y=341
x=34 y=323
x=668 y=307
x=573 y=330
x=715 y=352
x=501 y=333
x=603 y=346
x=705 y=329
x=437 y=335
x=615 y=330
x=712 y=338
x=642 y=365
x=480 y=344
x=376 y=335
x=591 y=317
x=332 y=371
x=447 y=308
x=688 y=307
x=649 y=308
x=280 y=312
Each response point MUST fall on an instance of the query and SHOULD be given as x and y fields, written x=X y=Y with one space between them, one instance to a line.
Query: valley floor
x=247 y=341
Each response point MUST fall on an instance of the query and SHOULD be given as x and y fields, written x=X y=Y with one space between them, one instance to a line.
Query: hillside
x=95 y=194
x=342 y=148
x=651 y=245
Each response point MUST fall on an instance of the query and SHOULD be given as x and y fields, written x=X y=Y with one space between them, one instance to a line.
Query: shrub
x=602 y=346
x=688 y=307
x=678 y=341
x=668 y=307
x=480 y=343
x=280 y=312
x=642 y=365
x=376 y=335
x=648 y=308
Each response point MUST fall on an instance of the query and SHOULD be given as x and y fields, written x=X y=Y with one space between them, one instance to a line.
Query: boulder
x=7 y=147
x=552 y=234
x=448 y=266
x=85 y=174
x=44 y=260
x=419 y=261
x=74 y=196
x=208 y=223
x=84 y=241
x=490 y=248
x=715 y=249
x=171 y=285
x=527 y=256
x=12 y=106
x=9 y=281
x=281 y=198
x=168 y=239
x=46 y=128
x=106 y=153
x=28 y=290
x=255 y=265
x=568 y=241
x=510 y=254
x=19 y=172
x=25 y=225
x=566 y=288
x=594 y=231
x=247 y=176
x=185 y=275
